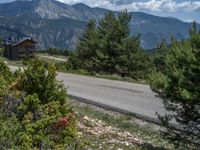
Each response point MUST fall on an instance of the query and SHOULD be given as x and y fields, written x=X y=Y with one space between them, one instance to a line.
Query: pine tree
x=178 y=84
x=114 y=32
x=108 y=48
x=87 y=46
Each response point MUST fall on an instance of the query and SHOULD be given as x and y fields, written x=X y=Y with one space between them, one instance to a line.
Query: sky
x=186 y=10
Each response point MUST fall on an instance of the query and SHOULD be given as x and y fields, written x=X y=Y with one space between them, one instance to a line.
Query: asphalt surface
x=125 y=97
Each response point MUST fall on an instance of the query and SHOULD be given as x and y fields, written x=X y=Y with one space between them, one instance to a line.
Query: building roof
x=23 y=40
x=16 y=41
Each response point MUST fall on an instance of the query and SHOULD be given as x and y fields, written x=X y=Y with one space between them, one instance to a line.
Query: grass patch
x=125 y=123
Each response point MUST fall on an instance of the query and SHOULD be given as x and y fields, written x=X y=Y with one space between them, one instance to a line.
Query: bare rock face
x=55 y=24
x=48 y=9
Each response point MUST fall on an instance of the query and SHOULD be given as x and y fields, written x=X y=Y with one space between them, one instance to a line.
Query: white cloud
x=150 y=5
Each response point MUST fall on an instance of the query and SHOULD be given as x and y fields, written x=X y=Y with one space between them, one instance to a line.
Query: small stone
x=126 y=143
x=86 y=118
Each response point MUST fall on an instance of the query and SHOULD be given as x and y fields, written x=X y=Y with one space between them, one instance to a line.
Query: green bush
x=37 y=104
x=5 y=71
x=40 y=78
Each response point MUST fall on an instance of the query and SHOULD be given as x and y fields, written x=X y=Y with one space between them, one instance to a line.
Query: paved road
x=121 y=96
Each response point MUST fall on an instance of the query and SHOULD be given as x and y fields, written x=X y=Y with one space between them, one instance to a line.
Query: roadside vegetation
x=176 y=78
x=34 y=111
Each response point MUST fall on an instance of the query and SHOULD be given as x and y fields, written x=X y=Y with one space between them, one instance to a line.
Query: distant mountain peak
x=25 y=0
x=51 y=9
x=34 y=0
x=81 y=5
x=37 y=1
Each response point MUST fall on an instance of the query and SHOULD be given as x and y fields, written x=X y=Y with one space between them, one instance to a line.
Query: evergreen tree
x=108 y=48
x=178 y=84
x=87 y=46
x=114 y=34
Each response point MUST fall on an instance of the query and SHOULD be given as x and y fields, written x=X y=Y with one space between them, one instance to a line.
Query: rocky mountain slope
x=55 y=24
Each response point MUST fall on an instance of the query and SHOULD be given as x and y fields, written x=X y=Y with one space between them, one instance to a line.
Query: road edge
x=115 y=109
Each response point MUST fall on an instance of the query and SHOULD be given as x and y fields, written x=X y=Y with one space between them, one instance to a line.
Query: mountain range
x=55 y=24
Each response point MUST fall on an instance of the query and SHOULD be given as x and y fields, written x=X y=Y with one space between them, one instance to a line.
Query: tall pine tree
x=108 y=48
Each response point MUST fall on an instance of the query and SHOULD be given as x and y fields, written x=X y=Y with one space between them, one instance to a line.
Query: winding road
x=124 y=97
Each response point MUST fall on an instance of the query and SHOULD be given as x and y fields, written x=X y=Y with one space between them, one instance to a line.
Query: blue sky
x=186 y=10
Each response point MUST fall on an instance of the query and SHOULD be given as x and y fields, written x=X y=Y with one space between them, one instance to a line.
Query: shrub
x=40 y=110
